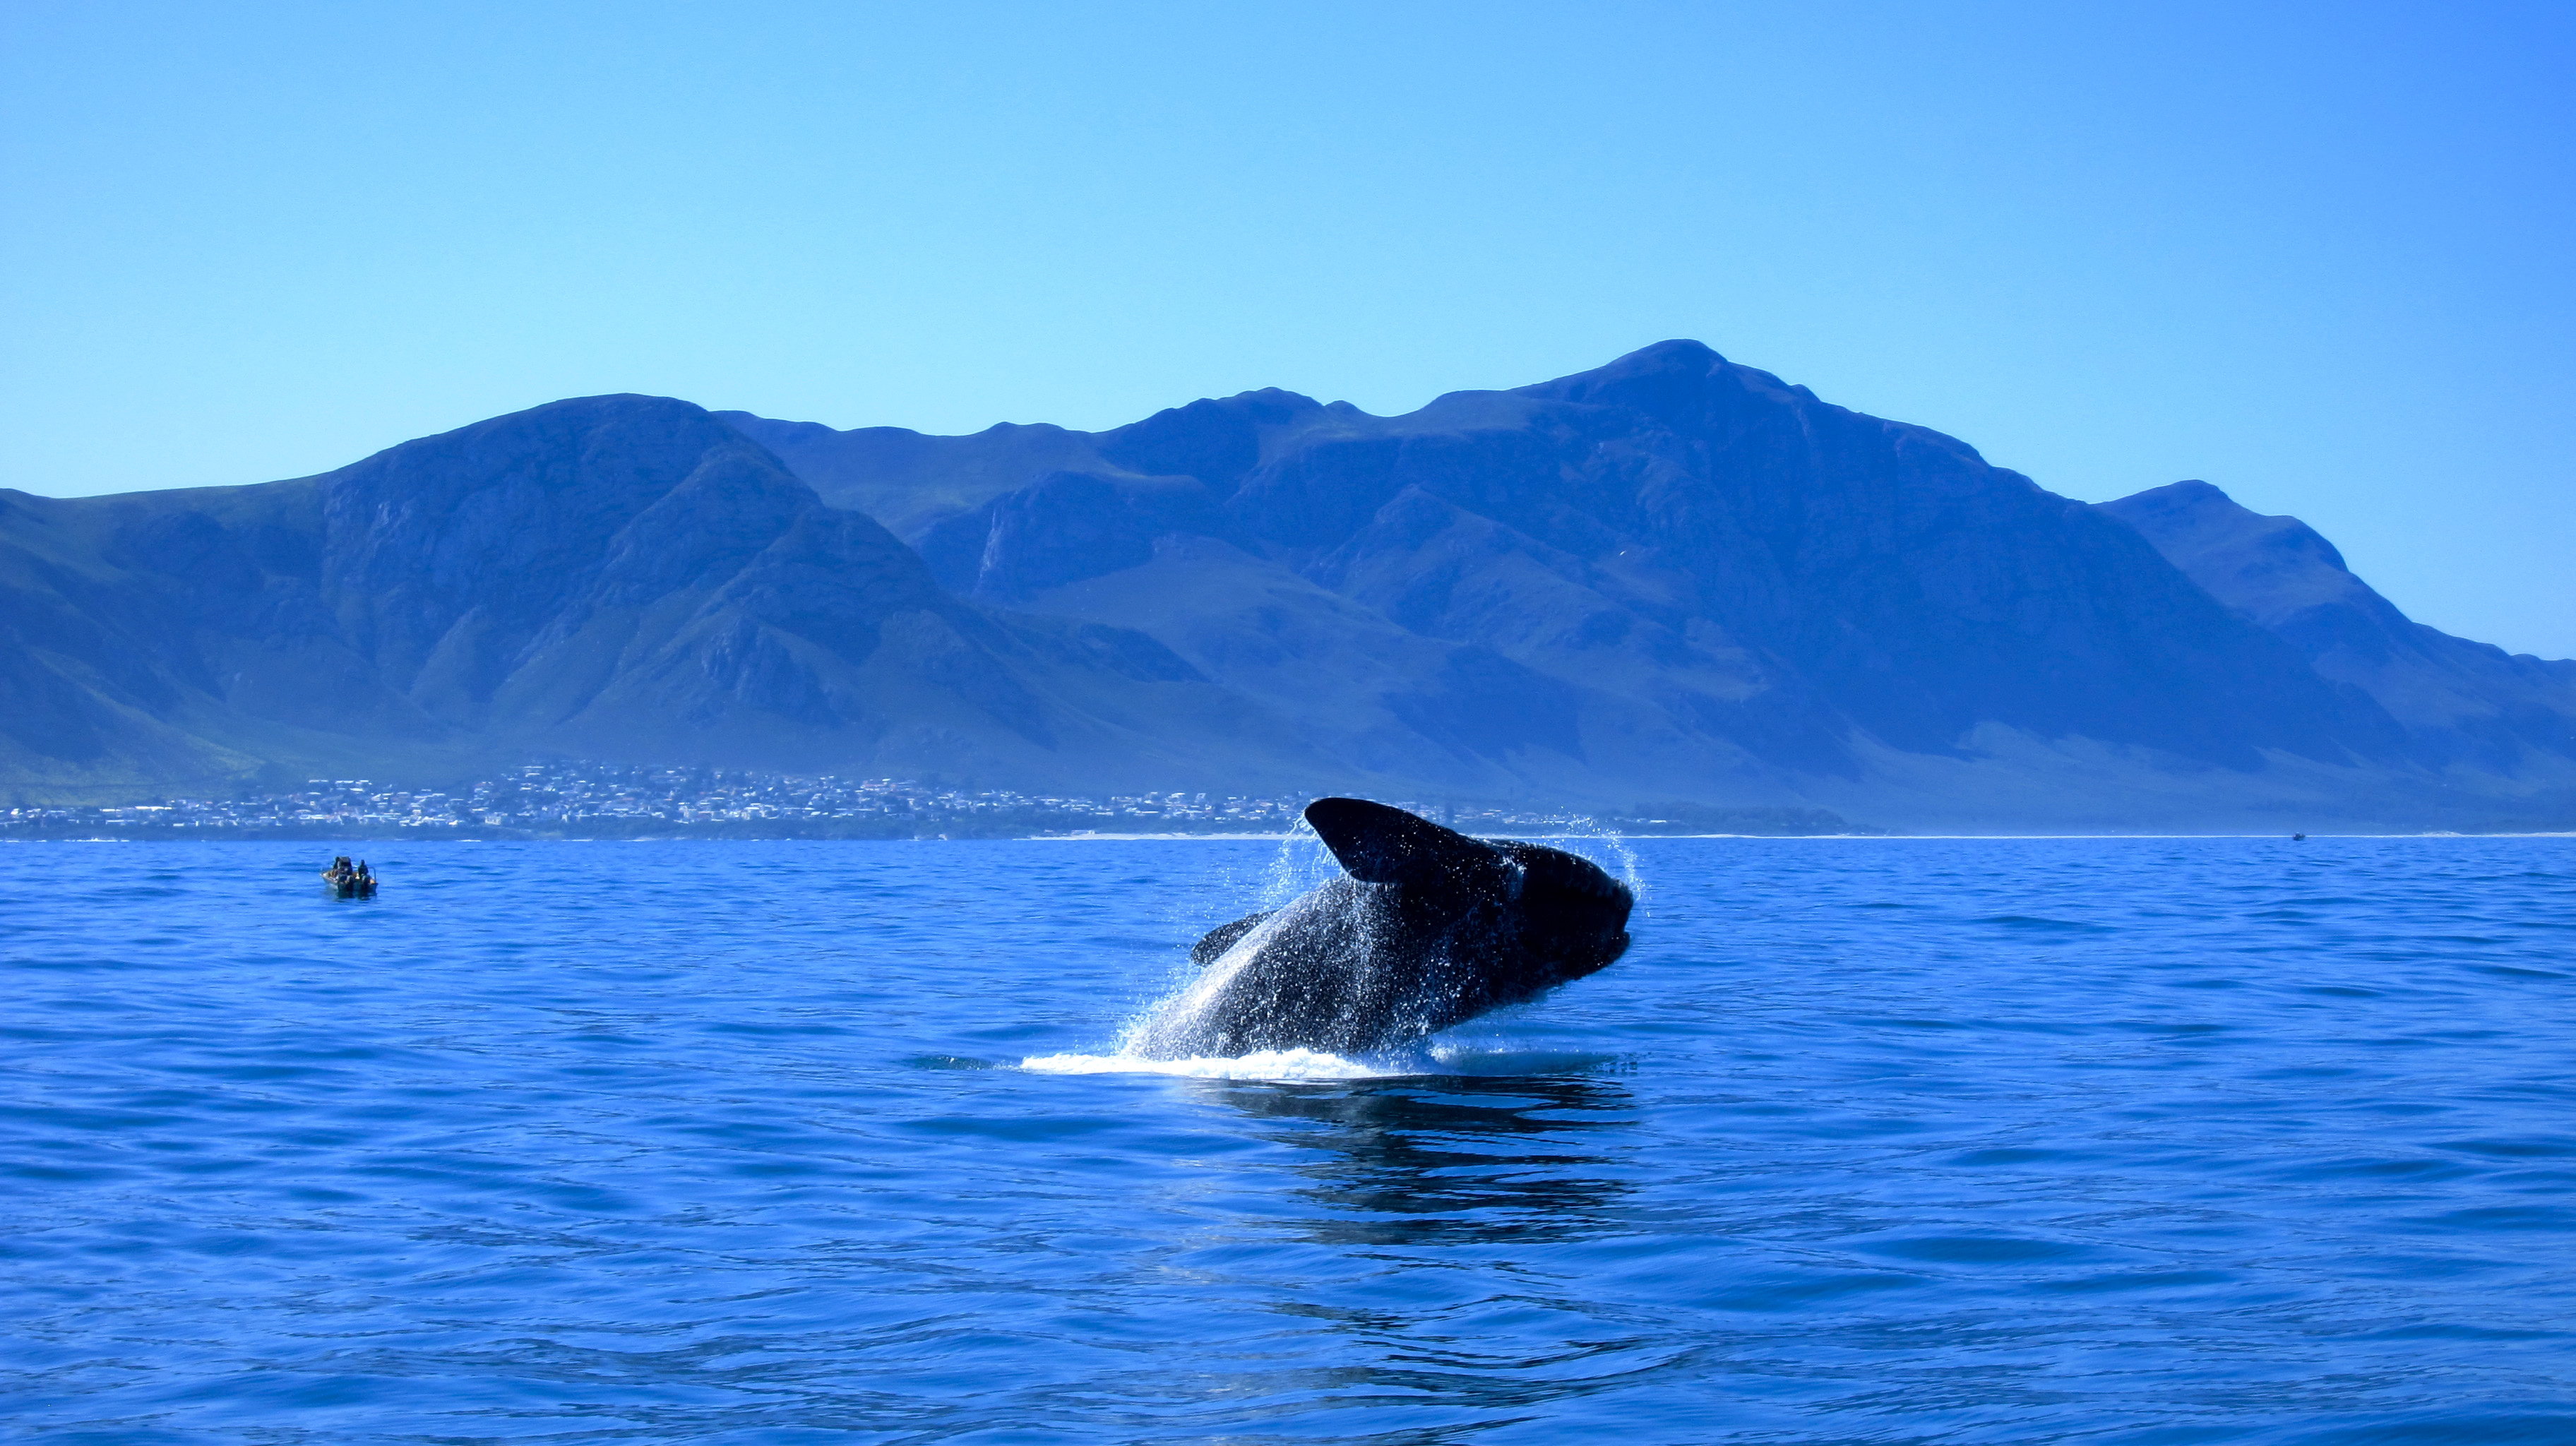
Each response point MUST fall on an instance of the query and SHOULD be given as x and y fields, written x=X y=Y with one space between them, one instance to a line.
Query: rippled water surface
x=2109 y=1141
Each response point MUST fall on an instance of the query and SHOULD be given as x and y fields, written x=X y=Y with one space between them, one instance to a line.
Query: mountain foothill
x=1671 y=582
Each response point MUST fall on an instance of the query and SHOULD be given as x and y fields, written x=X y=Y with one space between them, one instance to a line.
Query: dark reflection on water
x=1460 y=1158
x=2135 y=1143
x=1418 y=1167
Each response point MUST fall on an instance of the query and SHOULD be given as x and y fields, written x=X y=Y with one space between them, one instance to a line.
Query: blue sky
x=2317 y=254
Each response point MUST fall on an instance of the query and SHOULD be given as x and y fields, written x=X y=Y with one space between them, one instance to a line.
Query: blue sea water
x=1868 y=1140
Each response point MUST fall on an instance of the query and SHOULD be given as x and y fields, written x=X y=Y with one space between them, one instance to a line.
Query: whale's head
x=1539 y=916
x=1573 y=915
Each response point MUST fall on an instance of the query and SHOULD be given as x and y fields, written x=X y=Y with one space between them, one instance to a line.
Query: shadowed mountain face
x=2462 y=703
x=621 y=577
x=1668 y=580
x=1670 y=577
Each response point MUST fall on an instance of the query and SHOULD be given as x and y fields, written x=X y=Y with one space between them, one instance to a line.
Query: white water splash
x=1169 y=1022
x=1588 y=838
x=1302 y=864
x=1308 y=1066
x=1277 y=1065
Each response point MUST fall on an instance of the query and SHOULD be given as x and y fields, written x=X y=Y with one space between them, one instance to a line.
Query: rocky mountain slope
x=2467 y=705
x=1668 y=580
x=613 y=577
x=1670 y=575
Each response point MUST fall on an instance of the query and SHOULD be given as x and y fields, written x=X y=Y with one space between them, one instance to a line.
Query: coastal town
x=601 y=800
x=594 y=800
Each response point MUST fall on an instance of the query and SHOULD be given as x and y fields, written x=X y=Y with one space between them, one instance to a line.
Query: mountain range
x=1670 y=580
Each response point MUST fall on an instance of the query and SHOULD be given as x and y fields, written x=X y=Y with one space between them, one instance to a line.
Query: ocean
x=1867 y=1140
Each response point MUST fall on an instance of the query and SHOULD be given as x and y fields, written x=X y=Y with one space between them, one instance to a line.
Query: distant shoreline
x=459 y=836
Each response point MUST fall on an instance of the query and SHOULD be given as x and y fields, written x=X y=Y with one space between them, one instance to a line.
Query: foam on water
x=1299 y=866
x=1280 y=1066
x=1296 y=1066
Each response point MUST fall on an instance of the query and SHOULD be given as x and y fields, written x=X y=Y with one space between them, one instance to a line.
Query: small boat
x=350 y=881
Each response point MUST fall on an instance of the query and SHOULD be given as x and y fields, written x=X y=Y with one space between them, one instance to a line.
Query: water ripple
x=2121 y=1141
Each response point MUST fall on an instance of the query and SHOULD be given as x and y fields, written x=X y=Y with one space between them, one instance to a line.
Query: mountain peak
x=546 y=429
x=2190 y=497
x=607 y=407
x=2466 y=700
x=1668 y=380
x=1215 y=440
x=1677 y=354
x=1679 y=360
x=2193 y=516
x=2270 y=568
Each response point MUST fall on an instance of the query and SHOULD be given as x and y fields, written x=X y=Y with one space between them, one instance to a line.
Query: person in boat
x=341 y=873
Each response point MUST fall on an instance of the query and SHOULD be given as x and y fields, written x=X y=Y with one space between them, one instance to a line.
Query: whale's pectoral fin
x=1223 y=937
x=1376 y=844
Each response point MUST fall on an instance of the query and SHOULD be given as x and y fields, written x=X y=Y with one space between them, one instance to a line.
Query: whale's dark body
x=1427 y=928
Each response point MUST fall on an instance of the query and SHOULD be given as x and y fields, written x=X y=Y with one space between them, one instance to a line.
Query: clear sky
x=2321 y=255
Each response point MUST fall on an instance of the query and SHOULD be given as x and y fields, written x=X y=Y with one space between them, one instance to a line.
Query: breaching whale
x=1426 y=928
